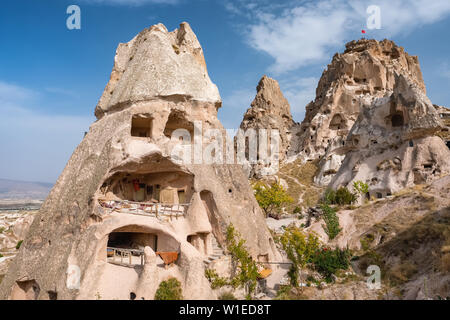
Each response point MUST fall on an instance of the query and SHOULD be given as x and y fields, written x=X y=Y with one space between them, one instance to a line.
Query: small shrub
x=19 y=244
x=311 y=279
x=329 y=197
x=271 y=199
x=361 y=187
x=366 y=241
x=1 y=256
x=297 y=210
x=227 y=296
x=331 y=226
x=344 y=197
x=327 y=261
x=284 y=293
x=2 y=229
x=169 y=290
x=215 y=280
x=341 y=197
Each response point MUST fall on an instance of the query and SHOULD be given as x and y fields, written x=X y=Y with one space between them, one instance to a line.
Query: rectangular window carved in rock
x=141 y=127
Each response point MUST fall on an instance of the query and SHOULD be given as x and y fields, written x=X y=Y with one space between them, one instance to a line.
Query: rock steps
x=216 y=254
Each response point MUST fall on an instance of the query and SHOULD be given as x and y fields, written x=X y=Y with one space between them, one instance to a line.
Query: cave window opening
x=169 y=188
x=176 y=121
x=337 y=122
x=181 y=196
x=141 y=127
x=397 y=120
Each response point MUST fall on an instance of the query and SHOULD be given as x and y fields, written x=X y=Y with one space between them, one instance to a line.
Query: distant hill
x=11 y=189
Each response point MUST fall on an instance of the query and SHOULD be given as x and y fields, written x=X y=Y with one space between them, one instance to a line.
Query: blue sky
x=51 y=78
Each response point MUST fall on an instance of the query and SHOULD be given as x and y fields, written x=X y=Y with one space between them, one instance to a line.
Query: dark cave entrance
x=397 y=120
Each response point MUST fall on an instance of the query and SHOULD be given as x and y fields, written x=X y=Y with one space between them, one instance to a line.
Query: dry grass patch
x=300 y=179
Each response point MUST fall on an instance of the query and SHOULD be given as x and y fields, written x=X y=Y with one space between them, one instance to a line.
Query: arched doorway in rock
x=200 y=242
x=125 y=245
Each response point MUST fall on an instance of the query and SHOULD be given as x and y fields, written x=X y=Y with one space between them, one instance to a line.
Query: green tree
x=328 y=261
x=248 y=268
x=300 y=249
x=272 y=198
x=342 y=196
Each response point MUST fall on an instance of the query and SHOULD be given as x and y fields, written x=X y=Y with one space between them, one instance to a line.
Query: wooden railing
x=125 y=255
x=158 y=210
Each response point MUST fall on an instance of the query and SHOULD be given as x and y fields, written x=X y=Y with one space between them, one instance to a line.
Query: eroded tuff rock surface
x=393 y=143
x=158 y=65
x=123 y=190
x=366 y=70
x=269 y=110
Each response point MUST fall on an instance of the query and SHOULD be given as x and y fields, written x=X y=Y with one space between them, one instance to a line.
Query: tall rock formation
x=123 y=198
x=393 y=143
x=365 y=71
x=269 y=110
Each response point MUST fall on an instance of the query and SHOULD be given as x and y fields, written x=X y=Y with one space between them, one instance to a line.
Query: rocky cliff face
x=122 y=189
x=393 y=144
x=366 y=70
x=269 y=110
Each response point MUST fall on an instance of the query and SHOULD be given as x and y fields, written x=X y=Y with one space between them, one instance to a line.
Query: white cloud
x=11 y=94
x=300 y=35
x=308 y=33
x=35 y=146
x=130 y=2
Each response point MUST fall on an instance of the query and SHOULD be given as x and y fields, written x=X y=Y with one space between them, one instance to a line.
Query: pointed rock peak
x=268 y=84
x=269 y=110
x=270 y=97
x=158 y=65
